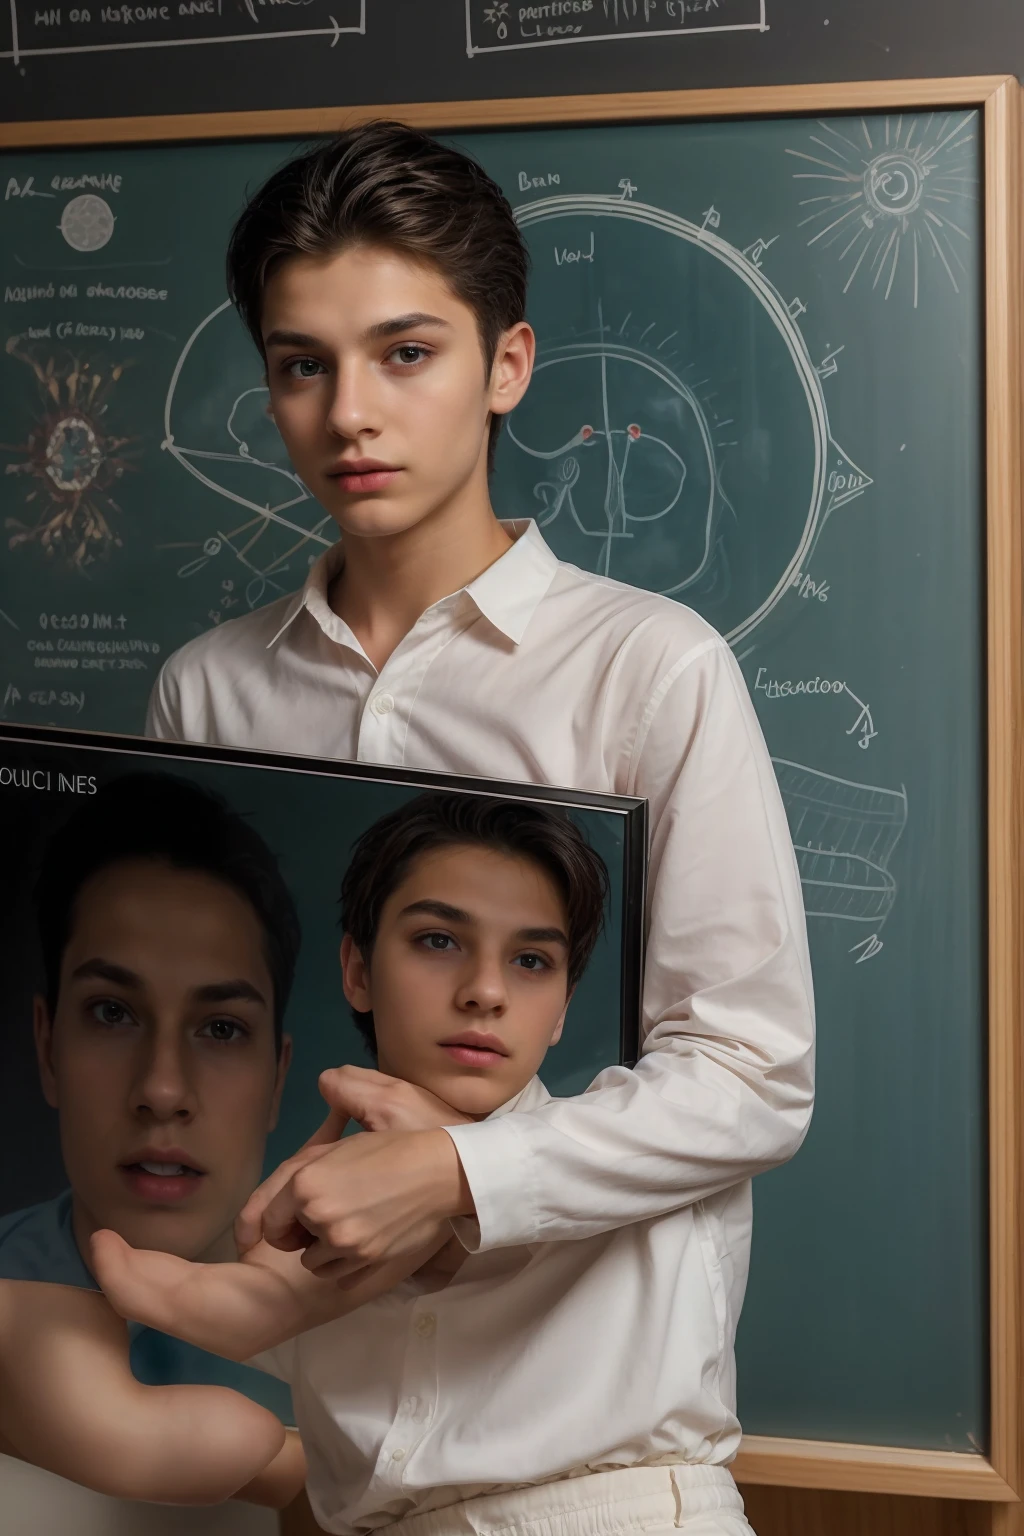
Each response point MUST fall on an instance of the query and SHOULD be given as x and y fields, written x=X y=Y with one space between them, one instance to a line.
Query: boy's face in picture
x=468 y=980
x=160 y=1059
x=378 y=386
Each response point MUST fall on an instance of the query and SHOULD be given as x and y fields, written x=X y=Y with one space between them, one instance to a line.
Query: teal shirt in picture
x=38 y=1243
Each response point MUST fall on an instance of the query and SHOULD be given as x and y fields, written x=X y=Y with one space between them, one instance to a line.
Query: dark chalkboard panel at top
x=126 y=58
x=758 y=391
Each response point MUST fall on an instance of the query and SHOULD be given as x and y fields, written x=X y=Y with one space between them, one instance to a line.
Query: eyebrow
x=214 y=992
x=400 y=323
x=450 y=914
x=379 y=332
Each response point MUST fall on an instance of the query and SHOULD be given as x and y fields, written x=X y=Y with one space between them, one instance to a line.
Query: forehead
x=149 y=911
x=489 y=883
x=359 y=286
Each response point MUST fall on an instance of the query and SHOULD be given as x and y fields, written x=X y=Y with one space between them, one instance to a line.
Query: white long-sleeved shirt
x=542 y=673
x=533 y=1362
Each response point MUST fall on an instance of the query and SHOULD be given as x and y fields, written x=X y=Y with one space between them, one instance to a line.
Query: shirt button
x=383 y=704
x=426 y=1324
x=398 y=1455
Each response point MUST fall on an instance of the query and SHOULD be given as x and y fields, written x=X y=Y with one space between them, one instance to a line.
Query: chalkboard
x=102 y=58
x=759 y=389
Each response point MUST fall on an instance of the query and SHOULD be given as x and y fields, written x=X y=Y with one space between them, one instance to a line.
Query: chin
x=184 y=1239
x=475 y=1098
x=372 y=517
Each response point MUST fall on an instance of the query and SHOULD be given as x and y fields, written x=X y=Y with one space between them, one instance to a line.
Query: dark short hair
x=383 y=856
x=160 y=818
x=388 y=185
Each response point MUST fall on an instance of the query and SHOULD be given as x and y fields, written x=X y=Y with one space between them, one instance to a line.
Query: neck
x=386 y=584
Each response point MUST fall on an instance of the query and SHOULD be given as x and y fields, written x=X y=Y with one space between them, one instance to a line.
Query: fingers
x=358 y=1093
x=249 y=1224
x=280 y=1225
x=327 y=1266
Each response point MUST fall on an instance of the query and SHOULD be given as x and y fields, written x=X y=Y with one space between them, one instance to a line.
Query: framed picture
x=173 y=985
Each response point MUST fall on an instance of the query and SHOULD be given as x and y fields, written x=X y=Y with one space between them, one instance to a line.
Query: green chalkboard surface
x=759 y=390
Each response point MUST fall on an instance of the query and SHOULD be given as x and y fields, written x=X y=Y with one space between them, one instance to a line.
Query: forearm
x=684 y=1124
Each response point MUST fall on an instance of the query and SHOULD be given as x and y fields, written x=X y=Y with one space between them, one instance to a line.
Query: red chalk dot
x=633 y=430
x=587 y=432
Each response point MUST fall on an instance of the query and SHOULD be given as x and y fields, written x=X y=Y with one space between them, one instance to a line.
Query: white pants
x=697 y=1501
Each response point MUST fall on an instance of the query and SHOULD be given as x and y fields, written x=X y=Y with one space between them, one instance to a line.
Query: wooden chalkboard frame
x=998 y=1477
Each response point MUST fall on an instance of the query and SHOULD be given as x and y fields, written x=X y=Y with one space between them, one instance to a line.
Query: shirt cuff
x=496 y=1161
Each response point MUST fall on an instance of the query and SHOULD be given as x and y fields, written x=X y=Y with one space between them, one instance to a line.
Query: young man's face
x=160 y=1059
x=467 y=982
x=378 y=386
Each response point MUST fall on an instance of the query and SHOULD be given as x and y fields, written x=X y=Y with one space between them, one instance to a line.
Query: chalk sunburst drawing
x=71 y=460
x=897 y=200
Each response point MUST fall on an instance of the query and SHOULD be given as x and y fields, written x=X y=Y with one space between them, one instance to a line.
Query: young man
x=383 y=278
x=169 y=943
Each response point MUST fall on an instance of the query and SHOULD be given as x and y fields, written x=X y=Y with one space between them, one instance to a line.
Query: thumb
x=355 y=1093
x=111 y=1261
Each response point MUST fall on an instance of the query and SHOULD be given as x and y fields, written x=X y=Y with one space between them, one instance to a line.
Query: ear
x=512 y=370
x=284 y=1061
x=355 y=976
x=42 y=1029
x=557 y=1035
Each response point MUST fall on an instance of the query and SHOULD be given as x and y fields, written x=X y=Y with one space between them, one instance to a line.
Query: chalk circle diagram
x=676 y=435
x=216 y=427
x=87 y=223
x=892 y=198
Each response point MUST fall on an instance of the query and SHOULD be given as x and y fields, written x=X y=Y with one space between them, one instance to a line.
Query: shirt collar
x=507 y=594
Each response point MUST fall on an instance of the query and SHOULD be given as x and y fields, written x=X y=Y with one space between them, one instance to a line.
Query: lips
x=363 y=476
x=473 y=1049
x=163 y=1177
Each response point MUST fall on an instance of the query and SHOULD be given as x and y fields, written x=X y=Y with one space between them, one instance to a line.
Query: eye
x=533 y=962
x=437 y=943
x=224 y=1031
x=110 y=1012
x=409 y=354
x=304 y=368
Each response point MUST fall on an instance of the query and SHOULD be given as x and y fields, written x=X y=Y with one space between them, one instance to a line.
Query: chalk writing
x=173 y=24
x=505 y=24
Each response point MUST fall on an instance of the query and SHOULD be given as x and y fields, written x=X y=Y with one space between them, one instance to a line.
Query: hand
x=374 y=1101
x=377 y=1102
x=369 y=1200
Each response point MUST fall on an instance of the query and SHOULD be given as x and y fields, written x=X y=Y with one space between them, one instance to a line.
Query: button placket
x=418 y=1394
x=384 y=722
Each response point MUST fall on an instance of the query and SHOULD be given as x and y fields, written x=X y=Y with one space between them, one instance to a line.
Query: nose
x=483 y=988
x=354 y=406
x=163 y=1090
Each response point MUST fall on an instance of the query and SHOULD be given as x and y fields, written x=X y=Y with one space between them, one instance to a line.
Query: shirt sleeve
x=724 y=1086
x=163 y=718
